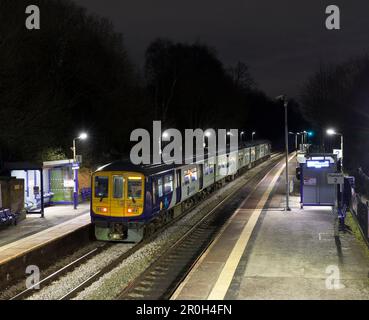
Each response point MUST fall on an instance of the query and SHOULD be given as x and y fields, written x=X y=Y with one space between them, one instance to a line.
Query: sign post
x=75 y=168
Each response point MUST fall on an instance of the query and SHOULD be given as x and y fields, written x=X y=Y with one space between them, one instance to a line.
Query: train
x=130 y=202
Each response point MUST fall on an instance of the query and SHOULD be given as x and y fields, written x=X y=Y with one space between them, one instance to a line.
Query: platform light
x=331 y=132
x=83 y=136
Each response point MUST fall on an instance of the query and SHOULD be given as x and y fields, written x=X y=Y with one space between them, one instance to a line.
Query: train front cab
x=117 y=203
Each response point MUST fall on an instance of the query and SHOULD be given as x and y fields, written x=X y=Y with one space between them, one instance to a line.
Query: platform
x=54 y=216
x=37 y=239
x=265 y=252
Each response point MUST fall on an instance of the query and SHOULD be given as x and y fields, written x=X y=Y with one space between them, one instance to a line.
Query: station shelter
x=57 y=181
x=319 y=179
x=33 y=185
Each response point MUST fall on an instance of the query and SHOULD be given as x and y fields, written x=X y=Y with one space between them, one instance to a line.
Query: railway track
x=165 y=274
x=205 y=229
x=61 y=272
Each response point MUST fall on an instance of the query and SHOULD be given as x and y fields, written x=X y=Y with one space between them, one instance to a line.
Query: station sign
x=318 y=164
x=335 y=178
x=338 y=152
x=68 y=183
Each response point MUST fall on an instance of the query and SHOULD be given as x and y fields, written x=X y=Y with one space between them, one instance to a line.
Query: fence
x=359 y=206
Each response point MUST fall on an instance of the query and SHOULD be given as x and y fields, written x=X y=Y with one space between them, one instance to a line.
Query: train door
x=117 y=197
x=178 y=186
x=201 y=175
x=156 y=184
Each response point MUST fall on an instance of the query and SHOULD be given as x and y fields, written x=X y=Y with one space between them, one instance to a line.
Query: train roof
x=127 y=165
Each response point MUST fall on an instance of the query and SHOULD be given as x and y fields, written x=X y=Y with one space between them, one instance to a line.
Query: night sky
x=282 y=41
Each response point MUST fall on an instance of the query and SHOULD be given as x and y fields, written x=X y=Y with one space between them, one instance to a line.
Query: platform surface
x=265 y=252
x=34 y=231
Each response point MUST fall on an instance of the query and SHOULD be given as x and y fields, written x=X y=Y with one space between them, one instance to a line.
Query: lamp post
x=304 y=133
x=252 y=135
x=333 y=132
x=283 y=99
x=82 y=136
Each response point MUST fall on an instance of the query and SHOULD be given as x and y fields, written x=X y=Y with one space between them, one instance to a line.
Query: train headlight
x=102 y=209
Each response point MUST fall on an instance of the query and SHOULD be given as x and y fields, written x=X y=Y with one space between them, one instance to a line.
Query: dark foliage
x=74 y=74
x=338 y=96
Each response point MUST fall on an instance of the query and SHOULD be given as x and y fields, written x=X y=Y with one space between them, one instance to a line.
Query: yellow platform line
x=225 y=278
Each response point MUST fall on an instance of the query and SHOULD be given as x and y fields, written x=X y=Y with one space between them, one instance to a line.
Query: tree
x=337 y=96
x=73 y=74
x=190 y=88
x=241 y=76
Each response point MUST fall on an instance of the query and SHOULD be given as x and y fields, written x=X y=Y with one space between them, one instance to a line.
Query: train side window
x=168 y=183
x=160 y=187
x=211 y=168
x=118 y=185
x=186 y=177
x=194 y=174
x=206 y=168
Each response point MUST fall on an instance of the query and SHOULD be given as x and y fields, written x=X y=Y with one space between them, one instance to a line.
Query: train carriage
x=129 y=201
